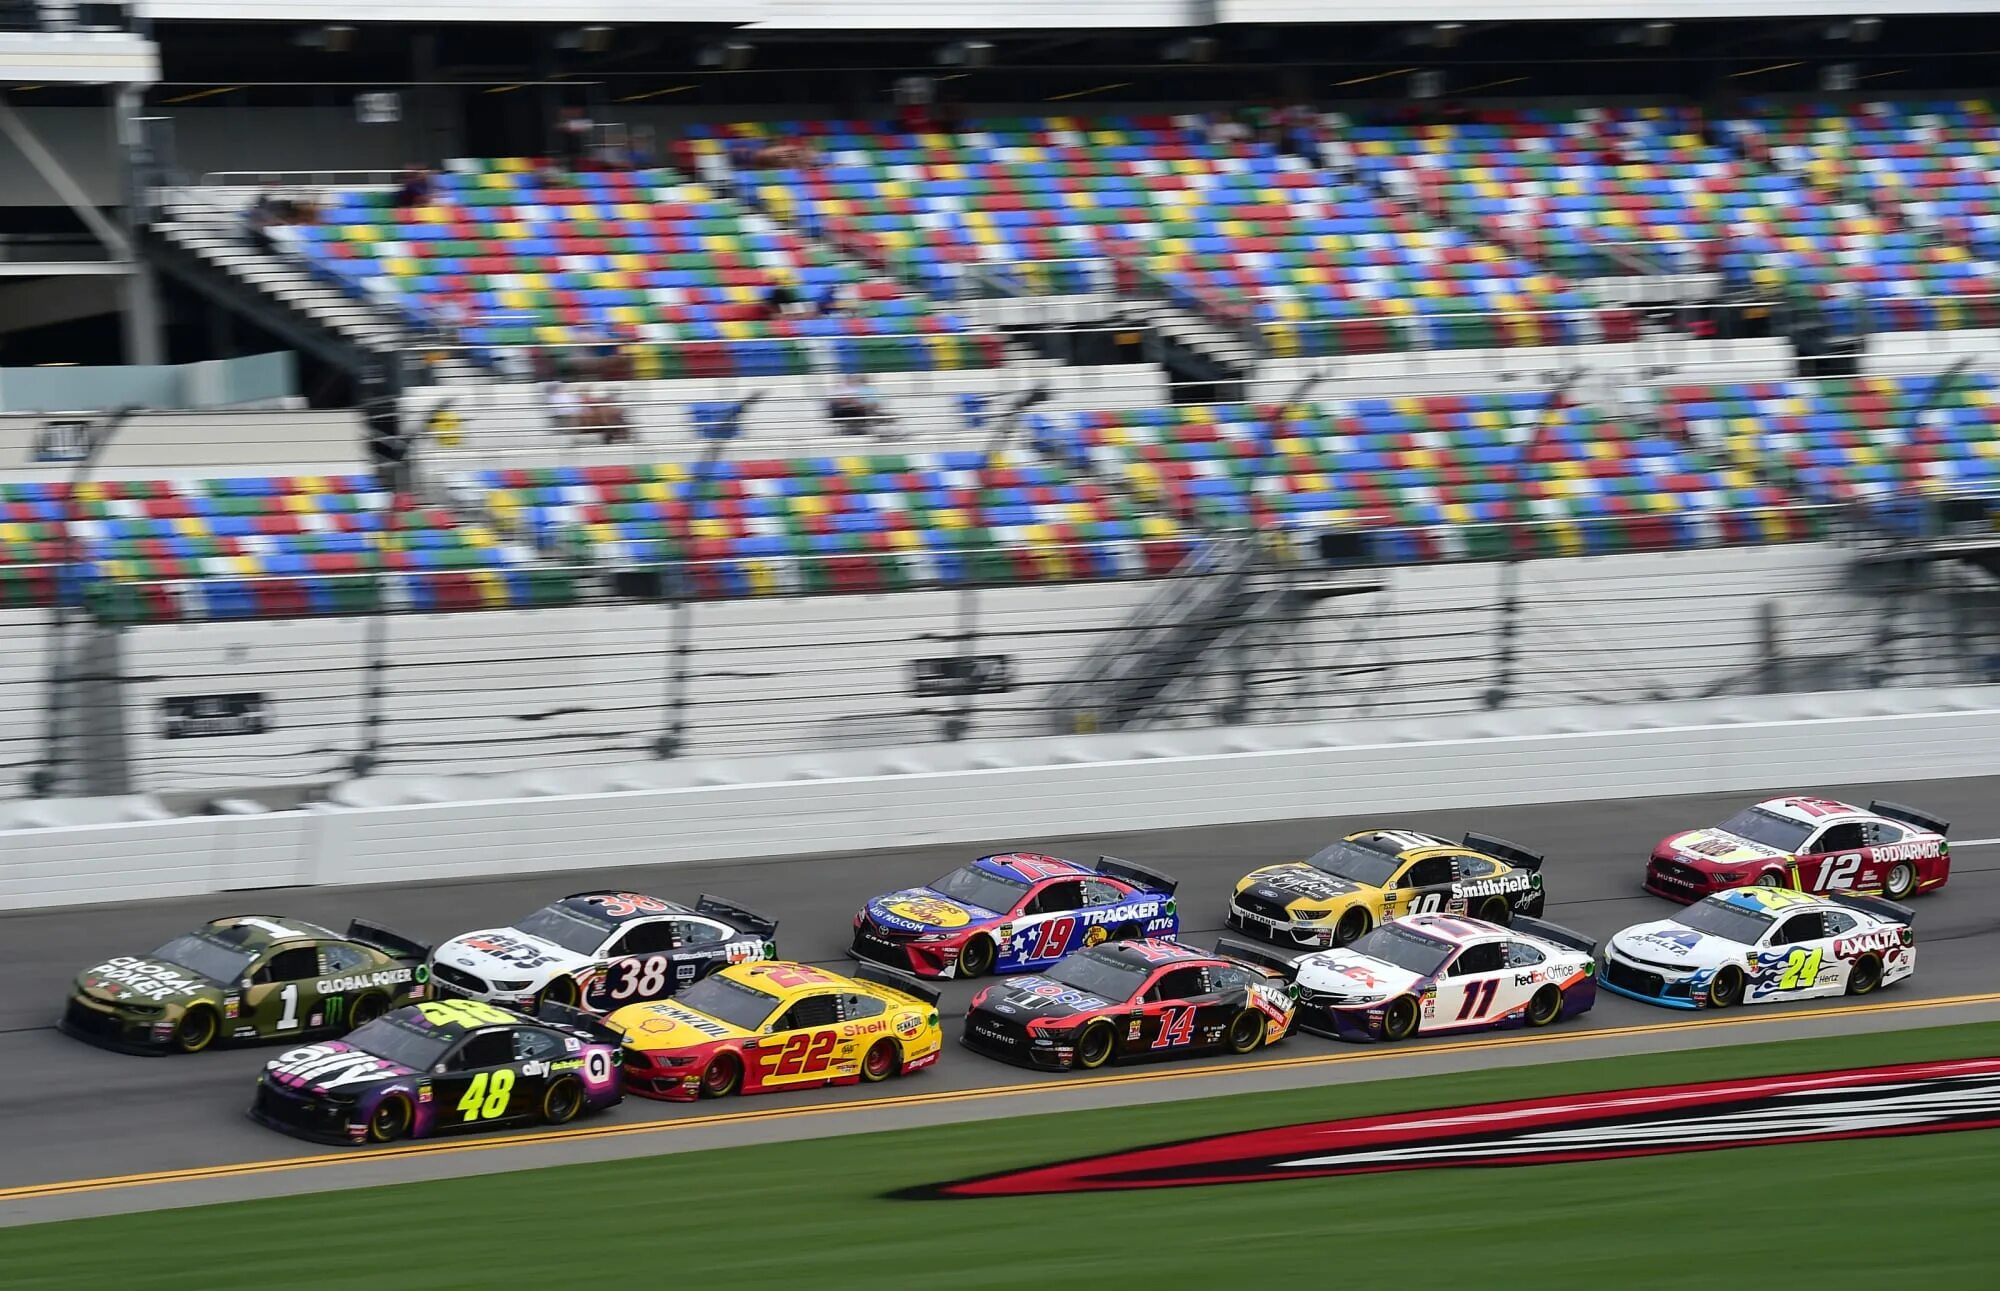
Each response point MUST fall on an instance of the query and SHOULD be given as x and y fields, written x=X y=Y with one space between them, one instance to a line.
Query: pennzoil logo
x=1818 y=1107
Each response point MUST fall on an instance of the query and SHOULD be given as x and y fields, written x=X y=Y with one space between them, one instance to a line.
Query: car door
x=338 y=961
x=479 y=1082
x=1424 y=887
x=800 y=1045
x=1470 y=992
x=280 y=998
x=644 y=965
x=1048 y=927
x=1168 y=1012
x=711 y=944
x=1836 y=860
x=1796 y=960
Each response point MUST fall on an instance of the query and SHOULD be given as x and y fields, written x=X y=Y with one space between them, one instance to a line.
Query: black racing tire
x=366 y=1009
x=722 y=1077
x=1096 y=1045
x=199 y=1028
x=1495 y=910
x=1865 y=977
x=560 y=991
x=1400 y=1018
x=1545 y=1007
x=1725 y=989
x=562 y=1101
x=1351 y=927
x=391 y=1120
x=976 y=956
x=1246 y=1032
x=883 y=1060
x=1900 y=882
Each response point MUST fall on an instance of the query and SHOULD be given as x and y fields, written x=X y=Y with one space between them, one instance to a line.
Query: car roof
x=256 y=931
x=1153 y=952
x=1401 y=842
x=788 y=980
x=1772 y=901
x=459 y=1017
x=1804 y=810
x=592 y=906
x=1029 y=867
x=1456 y=929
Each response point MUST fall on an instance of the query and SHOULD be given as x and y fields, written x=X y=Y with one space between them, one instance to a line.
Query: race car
x=601 y=951
x=245 y=978
x=1753 y=945
x=1012 y=913
x=441 y=1066
x=754 y=1028
x=1808 y=845
x=1341 y=891
x=1130 y=999
x=1427 y=973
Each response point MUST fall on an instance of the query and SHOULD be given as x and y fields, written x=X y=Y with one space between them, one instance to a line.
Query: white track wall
x=1364 y=768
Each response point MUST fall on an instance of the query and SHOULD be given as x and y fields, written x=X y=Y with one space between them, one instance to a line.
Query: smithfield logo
x=1818 y=1107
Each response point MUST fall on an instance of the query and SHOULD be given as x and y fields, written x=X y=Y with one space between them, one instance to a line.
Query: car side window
x=1521 y=955
x=1799 y=928
x=1838 y=922
x=486 y=1049
x=699 y=932
x=645 y=939
x=1482 y=958
x=1063 y=894
x=1099 y=892
x=1840 y=838
x=1227 y=979
x=1432 y=871
x=337 y=958
x=855 y=1007
x=293 y=965
x=534 y=1044
x=1881 y=833
x=812 y=1011
x=1179 y=984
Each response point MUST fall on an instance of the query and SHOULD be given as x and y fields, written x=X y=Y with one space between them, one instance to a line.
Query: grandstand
x=1229 y=352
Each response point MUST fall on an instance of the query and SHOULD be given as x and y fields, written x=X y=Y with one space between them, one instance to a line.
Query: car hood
x=1041 y=997
x=1714 y=847
x=1295 y=881
x=926 y=910
x=1343 y=972
x=129 y=979
x=495 y=953
x=331 y=1067
x=1668 y=943
x=663 y=1024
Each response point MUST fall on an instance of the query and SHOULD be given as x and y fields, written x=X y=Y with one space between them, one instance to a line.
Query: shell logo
x=928 y=910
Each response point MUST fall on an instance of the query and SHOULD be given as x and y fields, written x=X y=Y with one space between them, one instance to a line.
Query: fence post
x=1509 y=636
x=375 y=689
x=673 y=705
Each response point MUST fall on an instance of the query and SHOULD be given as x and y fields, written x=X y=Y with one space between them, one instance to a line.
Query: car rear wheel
x=1545 y=1007
x=881 y=1061
x=1495 y=910
x=562 y=1101
x=975 y=957
x=722 y=1077
x=1772 y=879
x=1902 y=881
x=390 y=1120
x=1399 y=1020
x=1351 y=926
x=1246 y=1031
x=561 y=991
x=198 y=1029
x=1865 y=976
x=1094 y=1047
x=367 y=1009
x=1726 y=987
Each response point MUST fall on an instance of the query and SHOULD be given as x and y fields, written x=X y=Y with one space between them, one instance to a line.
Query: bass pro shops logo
x=1872 y=1102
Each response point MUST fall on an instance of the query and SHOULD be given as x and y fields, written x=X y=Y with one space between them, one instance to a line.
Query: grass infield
x=1910 y=1213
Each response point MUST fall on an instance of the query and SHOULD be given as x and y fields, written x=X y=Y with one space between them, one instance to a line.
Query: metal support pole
x=1509 y=637
x=959 y=725
x=673 y=707
x=139 y=296
x=375 y=666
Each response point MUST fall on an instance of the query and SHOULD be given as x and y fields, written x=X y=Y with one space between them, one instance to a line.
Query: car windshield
x=729 y=1001
x=1355 y=863
x=977 y=887
x=205 y=958
x=566 y=928
x=1411 y=951
x=406 y=1044
x=1107 y=976
x=1727 y=921
x=1760 y=826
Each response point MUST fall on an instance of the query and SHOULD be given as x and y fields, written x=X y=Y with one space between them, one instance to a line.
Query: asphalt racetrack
x=76 y=1122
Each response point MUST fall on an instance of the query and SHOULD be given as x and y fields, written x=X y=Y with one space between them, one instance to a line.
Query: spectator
x=415 y=189
x=573 y=138
x=1226 y=129
x=856 y=408
x=782 y=300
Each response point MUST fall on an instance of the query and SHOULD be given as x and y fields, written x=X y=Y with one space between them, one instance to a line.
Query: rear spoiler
x=1286 y=966
x=1502 y=850
x=1153 y=880
x=588 y=1023
x=745 y=919
x=1876 y=906
x=904 y=982
x=1554 y=932
x=386 y=939
x=1911 y=816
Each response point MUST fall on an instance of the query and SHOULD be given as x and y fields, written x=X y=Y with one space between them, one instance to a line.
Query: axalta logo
x=1873 y=1102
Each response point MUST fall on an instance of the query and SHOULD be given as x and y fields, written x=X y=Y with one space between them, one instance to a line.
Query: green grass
x=1909 y=1213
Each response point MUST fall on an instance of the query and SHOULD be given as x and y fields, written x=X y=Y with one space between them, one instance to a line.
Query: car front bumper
x=1648 y=983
